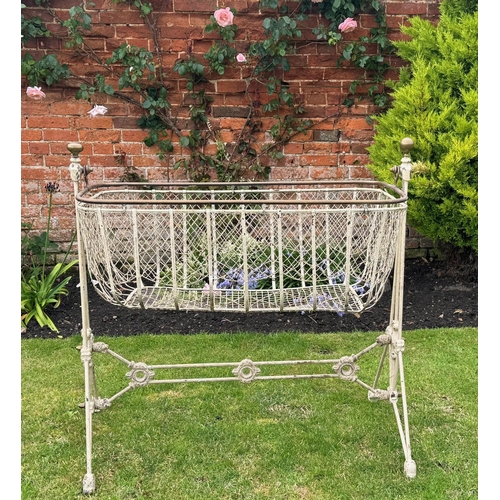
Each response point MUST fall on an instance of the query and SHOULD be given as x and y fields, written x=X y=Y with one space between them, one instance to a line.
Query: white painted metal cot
x=245 y=247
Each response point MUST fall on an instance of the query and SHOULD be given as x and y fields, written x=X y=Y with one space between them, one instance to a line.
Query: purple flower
x=52 y=187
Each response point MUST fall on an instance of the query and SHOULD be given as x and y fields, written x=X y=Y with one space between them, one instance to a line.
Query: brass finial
x=74 y=148
x=406 y=145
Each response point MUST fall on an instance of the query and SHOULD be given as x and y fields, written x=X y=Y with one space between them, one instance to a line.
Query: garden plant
x=43 y=283
x=435 y=102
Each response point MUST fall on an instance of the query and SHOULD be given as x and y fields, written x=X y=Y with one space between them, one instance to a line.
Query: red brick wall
x=333 y=149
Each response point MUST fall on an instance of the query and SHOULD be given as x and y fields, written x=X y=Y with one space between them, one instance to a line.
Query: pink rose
x=98 y=110
x=316 y=1
x=35 y=93
x=241 y=58
x=224 y=17
x=348 y=25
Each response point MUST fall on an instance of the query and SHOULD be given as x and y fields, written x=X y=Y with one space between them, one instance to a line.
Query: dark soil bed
x=434 y=297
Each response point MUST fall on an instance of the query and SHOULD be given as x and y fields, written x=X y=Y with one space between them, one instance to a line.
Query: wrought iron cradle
x=268 y=246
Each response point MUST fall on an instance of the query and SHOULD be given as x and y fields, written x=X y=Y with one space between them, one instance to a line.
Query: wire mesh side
x=242 y=258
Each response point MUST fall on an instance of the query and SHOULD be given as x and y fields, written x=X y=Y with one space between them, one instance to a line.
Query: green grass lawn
x=280 y=439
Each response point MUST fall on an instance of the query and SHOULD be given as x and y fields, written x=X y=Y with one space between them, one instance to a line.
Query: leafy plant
x=34 y=248
x=32 y=27
x=436 y=104
x=47 y=69
x=41 y=288
x=374 y=65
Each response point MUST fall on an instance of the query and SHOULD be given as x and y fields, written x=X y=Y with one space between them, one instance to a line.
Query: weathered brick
x=230 y=111
x=319 y=98
x=395 y=21
x=318 y=160
x=294 y=148
x=208 y=6
x=354 y=123
x=147 y=161
x=57 y=161
x=29 y=135
x=317 y=148
x=40 y=148
x=406 y=8
x=290 y=173
x=354 y=159
x=328 y=172
x=30 y=212
x=305 y=136
x=40 y=174
x=340 y=147
x=360 y=148
x=360 y=172
x=326 y=135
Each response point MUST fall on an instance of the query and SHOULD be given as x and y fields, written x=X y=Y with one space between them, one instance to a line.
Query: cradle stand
x=269 y=246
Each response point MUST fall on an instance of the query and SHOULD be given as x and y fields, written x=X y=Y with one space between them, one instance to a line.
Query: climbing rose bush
x=35 y=93
x=139 y=70
x=348 y=25
x=224 y=17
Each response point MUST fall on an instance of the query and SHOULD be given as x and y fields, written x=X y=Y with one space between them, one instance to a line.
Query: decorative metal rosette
x=346 y=368
x=140 y=374
x=246 y=371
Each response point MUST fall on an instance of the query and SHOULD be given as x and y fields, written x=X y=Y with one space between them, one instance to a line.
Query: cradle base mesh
x=321 y=248
x=328 y=298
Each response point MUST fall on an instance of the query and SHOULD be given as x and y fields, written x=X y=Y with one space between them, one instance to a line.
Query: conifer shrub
x=435 y=102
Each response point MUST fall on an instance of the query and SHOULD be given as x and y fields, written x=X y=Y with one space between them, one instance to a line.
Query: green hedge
x=435 y=102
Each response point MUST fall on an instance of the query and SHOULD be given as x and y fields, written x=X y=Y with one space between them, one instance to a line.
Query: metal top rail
x=94 y=194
